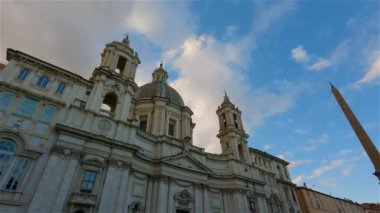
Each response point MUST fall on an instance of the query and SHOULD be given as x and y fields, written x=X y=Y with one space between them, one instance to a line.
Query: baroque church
x=105 y=144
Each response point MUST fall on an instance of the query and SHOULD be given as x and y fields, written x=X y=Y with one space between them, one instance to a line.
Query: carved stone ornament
x=251 y=200
x=104 y=125
x=118 y=163
x=184 y=197
x=67 y=152
x=117 y=88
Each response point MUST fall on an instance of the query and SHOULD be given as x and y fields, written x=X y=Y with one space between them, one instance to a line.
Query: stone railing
x=83 y=198
x=106 y=113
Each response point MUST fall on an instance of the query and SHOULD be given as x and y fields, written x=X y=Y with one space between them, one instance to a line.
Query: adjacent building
x=312 y=201
x=105 y=144
x=371 y=207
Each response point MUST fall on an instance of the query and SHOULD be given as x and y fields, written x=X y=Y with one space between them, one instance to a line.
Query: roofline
x=21 y=56
x=269 y=155
x=345 y=200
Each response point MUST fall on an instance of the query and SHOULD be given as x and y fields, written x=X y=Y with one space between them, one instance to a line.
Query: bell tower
x=114 y=81
x=233 y=138
x=120 y=58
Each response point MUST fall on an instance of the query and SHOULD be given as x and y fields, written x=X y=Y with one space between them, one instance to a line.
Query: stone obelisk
x=364 y=139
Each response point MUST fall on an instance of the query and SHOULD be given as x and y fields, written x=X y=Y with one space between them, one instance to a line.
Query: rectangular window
x=88 y=181
x=27 y=107
x=48 y=113
x=18 y=173
x=171 y=130
x=5 y=99
x=143 y=122
x=121 y=64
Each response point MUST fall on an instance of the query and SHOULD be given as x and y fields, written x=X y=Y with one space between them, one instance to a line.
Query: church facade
x=104 y=144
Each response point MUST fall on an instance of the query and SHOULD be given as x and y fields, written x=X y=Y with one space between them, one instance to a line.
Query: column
x=123 y=191
x=162 y=195
x=364 y=139
x=64 y=189
x=149 y=194
x=206 y=205
x=237 y=203
x=110 y=190
x=124 y=107
x=225 y=201
x=169 y=197
x=153 y=204
x=95 y=100
x=52 y=176
x=198 y=198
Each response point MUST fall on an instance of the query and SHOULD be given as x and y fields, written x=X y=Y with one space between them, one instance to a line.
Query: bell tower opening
x=121 y=62
x=108 y=106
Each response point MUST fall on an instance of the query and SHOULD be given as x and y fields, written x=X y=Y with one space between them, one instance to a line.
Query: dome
x=160 y=89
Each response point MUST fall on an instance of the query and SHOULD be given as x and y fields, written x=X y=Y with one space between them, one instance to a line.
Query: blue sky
x=274 y=59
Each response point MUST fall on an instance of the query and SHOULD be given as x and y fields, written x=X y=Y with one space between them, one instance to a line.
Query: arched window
x=60 y=88
x=109 y=105
x=43 y=81
x=23 y=74
x=18 y=173
x=7 y=151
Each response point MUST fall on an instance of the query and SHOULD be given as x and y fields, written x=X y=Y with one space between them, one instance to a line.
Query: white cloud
x=327 y=182
x=317 y=63
x=298 y=180
x=299 y=54
x=158 y=22
x=61 y=33
x=321 y=63
x=345 y=152
x=300 y=131
x=204 y=59
x=323 y=169
x=267 y=14
x=315 y=143
x=285 y=155
x=373 y=72
x=346 y=164
x=267 y=146
x=298 y=163
x=347 y=169
x=335 y=57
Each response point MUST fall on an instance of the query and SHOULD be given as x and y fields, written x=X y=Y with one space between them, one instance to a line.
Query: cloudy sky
x=274 y=59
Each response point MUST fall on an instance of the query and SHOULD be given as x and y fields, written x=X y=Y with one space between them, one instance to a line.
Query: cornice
x=269 y=155
x=28 y=59
x=88 y=135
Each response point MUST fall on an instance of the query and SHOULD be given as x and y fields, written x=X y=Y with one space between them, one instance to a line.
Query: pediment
x=186 y=161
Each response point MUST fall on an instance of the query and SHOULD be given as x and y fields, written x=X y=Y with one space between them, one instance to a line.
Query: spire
x=364 y=139
x=226 y=98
